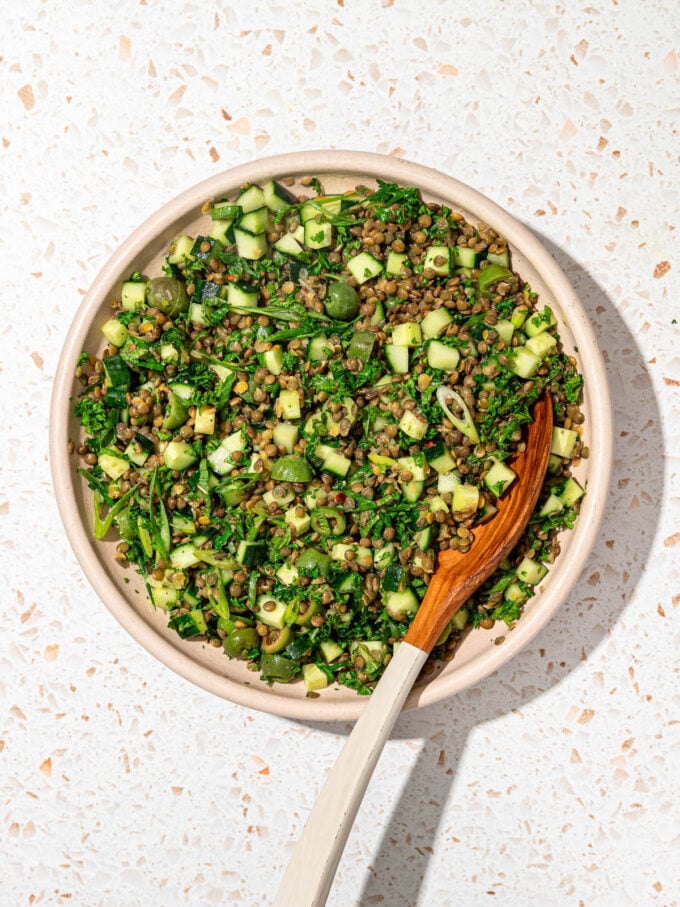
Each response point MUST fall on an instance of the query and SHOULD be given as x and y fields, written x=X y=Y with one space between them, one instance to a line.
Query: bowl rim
x=355 y=164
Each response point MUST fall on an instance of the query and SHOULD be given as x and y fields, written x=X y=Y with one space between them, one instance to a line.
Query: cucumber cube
x=439 y=355
x=330 y=650
x=115 y=332
x=299 y=524
x=499 y=478
x=285 y=435
x=397 y=357
x=531 y=571
x=418 y=473
x=179 y=455
x=505 y=329
x=541 y=345
x=274 y=617
x=523 y=362
x=318 y=235
x=539 y=322
x=446 y=484
x=133 y=295
x=563 y=441
x=314 y=678
x=396 y=262
x=273 y=360
x=288 y=405
x=438 y=258
x=335 y=462
x=407 y=334
x=288 y=574
x=571 y=492
x=113 y=466
x=204 y=423
x=364 y=266
x=413 y=425
x=180 y=250
x=552 y=504
x=435 y=323
x=465 y=498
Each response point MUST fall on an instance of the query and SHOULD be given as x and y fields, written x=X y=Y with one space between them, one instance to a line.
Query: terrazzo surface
x=553 y=782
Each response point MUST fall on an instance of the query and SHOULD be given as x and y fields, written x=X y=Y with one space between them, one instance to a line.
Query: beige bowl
x=208 y=667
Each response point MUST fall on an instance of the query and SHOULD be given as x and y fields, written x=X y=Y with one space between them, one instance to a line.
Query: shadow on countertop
x=620 y=555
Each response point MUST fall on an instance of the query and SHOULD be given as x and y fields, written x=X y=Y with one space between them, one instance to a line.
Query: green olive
x=277 y=667
x=168 y=295
x=342 y=301
x=240 y=642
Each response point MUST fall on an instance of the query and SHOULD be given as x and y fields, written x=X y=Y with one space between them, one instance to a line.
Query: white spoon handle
x=310 y=872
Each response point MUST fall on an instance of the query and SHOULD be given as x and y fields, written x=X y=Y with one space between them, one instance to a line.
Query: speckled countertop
x=554 y=782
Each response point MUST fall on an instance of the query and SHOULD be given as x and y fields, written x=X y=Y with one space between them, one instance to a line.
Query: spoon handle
x=310 y=872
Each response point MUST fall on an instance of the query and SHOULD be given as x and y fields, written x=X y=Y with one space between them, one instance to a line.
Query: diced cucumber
x=540 y=322
x=499 y=478
x=241 y=295
x=519 y=316
x=180 y=250
x=318 y=235
x=400 y=604
x=225 y=210
x=361 y=345
x=250 y=553
x=250 y=245
x=465 y=498
x=571 y=492
x=531 y=571
x=563 y=441
x=321 y=206
x=114 y=332
x=554 y=464
x=378 y=317
x=277 y=197
x=364 y=266
x=423 y=539
x=314 y=678
x=499 y=258
x=298 y=523
x=204 y=423
x=183 y=524
x=460 y=619
x=407 y=334
x=523 y=362
x=396 y=262
x=418 y=471
x=464 y=257
x=541 y=345
x=196 y=313
x=288 y=405
x=552 y=504
x=330 y=650
x=284 y=434
x=413 y=425
x=288 y=245
x=436 y=504
x=251 y=198
x=383 y=557
x=165 y=598
x=133 y=295
x=168 y=352
x=113 y=466
x=446 y=483
x=270 y=498
x=435 y=323
x=176 y=413
x=336 y=463
x=276 y=617
x=319 y=349
x=255 y=221
x=397 y=358
x=505 y=329
x=439 y=259
x=222 y=231
x=189 y=554
x=443 y=463
x=272 y=359
x=288 y=574
x=515 y=594
x=412 y=491
x=439 y=355
x=179 y=455
x=220 y=459
x=136 y=453
x=339 y=551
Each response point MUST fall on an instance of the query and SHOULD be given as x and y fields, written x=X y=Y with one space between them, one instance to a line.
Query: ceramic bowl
x=477 y=656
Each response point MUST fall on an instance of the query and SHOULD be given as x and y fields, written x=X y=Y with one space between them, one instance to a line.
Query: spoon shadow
x=582 y=623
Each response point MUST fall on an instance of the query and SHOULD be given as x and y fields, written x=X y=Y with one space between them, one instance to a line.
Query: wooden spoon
x=310 y=872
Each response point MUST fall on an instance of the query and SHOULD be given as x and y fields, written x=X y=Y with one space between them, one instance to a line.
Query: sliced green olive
x=276 y=640
x=240 y=642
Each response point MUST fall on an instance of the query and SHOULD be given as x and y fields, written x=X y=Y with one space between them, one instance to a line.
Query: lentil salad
x=315 y=398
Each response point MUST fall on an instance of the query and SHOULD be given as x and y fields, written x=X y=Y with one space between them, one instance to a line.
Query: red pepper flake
x=429 y=444
x=340 y=498
x=231 y=277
